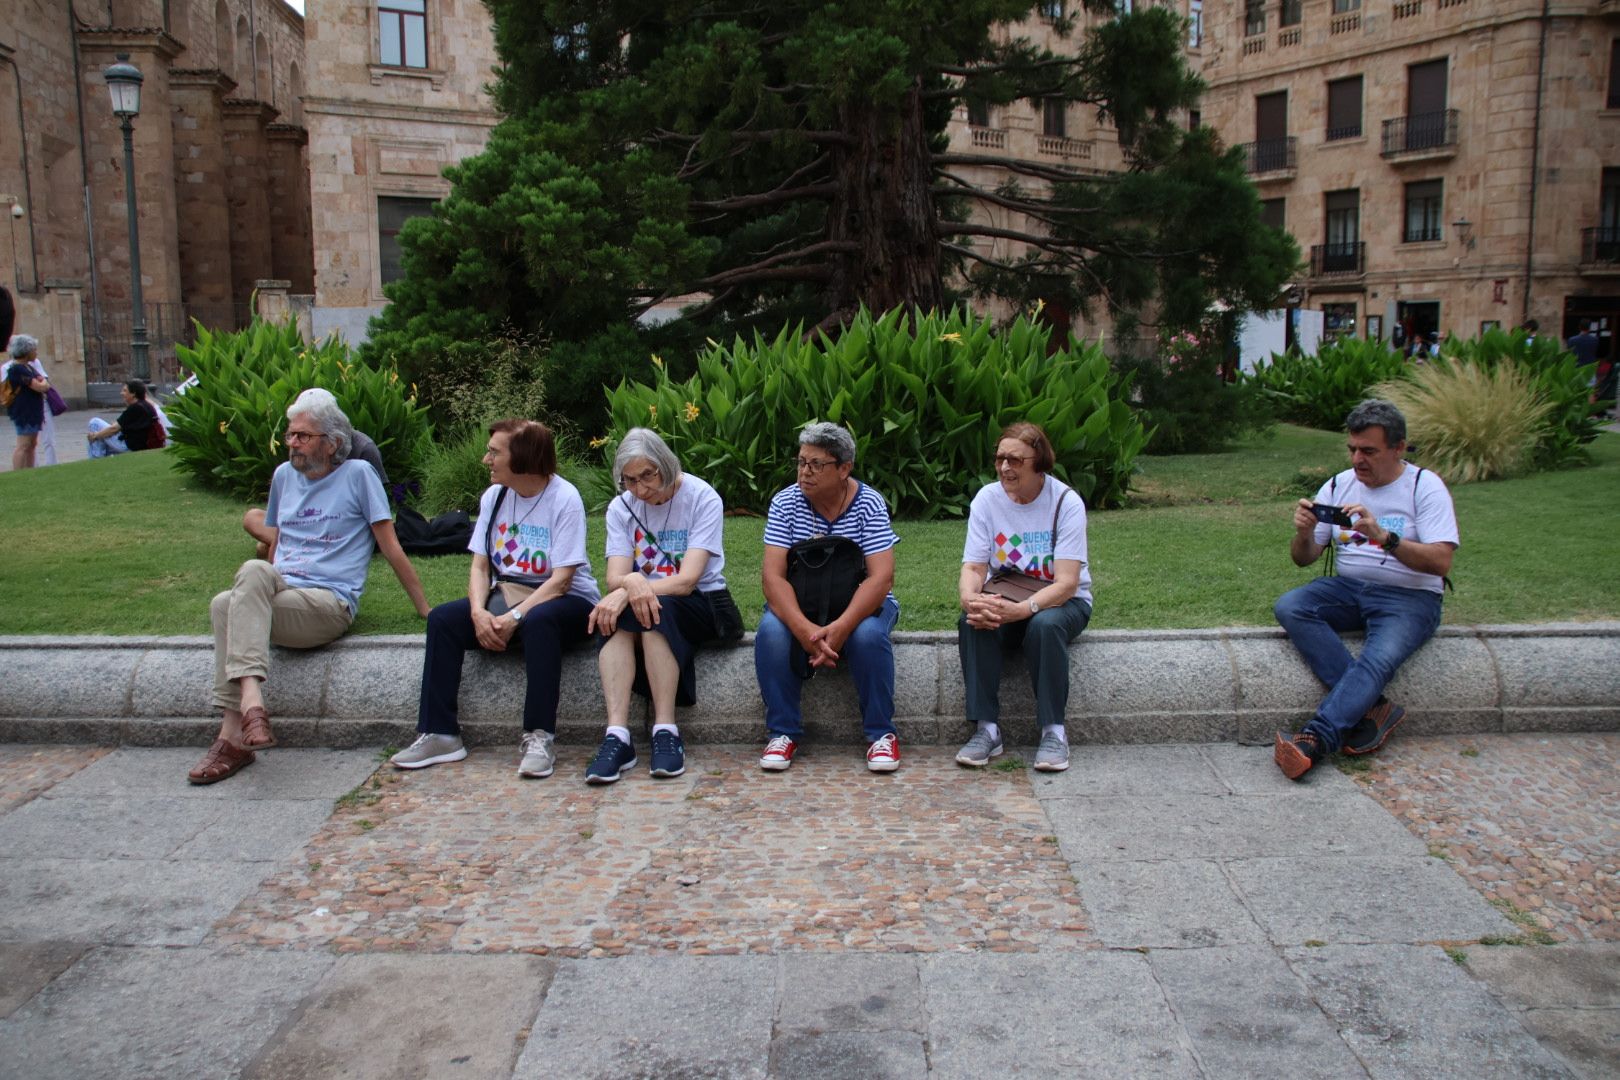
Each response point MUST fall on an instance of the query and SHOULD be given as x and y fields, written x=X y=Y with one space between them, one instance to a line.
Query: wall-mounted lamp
x=1465 y=233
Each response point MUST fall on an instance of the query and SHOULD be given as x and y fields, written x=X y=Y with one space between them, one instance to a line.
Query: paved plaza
x=1170 y=910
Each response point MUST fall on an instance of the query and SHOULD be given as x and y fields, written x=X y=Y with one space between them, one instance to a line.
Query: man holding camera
x=1391 y=530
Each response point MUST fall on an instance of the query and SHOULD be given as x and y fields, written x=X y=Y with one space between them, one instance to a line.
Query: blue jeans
x=869 y=653
x=112 y=444
x=1397 y=621
x=1045 y=639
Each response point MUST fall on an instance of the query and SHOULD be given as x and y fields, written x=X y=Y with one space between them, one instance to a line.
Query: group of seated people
x=1025 y=583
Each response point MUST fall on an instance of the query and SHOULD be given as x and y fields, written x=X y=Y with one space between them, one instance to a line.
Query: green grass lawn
x=1206 y=545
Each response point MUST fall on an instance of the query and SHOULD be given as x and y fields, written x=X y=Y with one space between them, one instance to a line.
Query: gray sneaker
x=429 y=750
x=1052 y=755
x=978 y=750
x=538 y=756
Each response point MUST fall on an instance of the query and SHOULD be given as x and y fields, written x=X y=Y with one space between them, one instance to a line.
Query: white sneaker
x=538 y=756
x=429 y=750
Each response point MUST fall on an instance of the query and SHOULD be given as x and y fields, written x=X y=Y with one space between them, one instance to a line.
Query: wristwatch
x=1392 y=541
x=517 y=616
x=1034 y=608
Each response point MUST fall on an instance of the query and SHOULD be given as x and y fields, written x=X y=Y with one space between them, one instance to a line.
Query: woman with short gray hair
x=666 y=594
x=26 y=399
x=828 y=501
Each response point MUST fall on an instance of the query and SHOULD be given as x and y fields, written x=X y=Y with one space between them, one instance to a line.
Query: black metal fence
x=107 y=337
x=1420 y=131
x=1269 y=155
x=1334 y=260
x=1600 y=245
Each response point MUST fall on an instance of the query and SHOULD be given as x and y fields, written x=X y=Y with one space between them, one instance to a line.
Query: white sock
x=992 y=730
x=671 y=728
x=1058 y=730
x=620 y=733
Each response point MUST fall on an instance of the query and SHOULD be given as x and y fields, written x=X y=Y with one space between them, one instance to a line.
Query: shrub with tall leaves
x=1469 y=421
x=227 y=428
x=1320 y=390
x=1572 y=419
x=925 y=396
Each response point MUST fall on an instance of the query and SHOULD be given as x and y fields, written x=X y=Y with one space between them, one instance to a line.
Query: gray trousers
x=261 y=608
x=1045 y=639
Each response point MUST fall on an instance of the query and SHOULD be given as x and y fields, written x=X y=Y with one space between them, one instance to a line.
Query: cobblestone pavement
x=1531 y=821
x=29 y=771
x=724 y=860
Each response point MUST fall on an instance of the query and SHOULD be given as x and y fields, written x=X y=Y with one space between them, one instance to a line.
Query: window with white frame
x=1195 y=23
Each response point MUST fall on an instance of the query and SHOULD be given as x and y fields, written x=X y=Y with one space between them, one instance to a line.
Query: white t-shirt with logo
x=530 y=538
x=1018 y=536
x=692 y=519
x=1419 y=509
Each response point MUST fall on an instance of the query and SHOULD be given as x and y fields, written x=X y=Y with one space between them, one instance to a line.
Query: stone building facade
x=397 y=92
x=1444 y=164
x=222 y=194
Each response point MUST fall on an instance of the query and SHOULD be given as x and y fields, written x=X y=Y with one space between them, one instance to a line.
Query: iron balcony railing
x=1269 y=155
x=1601 y=245
x=1337 y=260
x=1420 y=131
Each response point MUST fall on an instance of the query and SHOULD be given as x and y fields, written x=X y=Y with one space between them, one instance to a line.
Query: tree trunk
x=884 y=204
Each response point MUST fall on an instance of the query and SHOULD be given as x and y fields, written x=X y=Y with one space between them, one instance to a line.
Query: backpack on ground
x=446 y=534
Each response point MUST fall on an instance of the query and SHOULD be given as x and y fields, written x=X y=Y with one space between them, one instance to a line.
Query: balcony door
x=1342 y=254
x=1271 y=131
x=1426 y=105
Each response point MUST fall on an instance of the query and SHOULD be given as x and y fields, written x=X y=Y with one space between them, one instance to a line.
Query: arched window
x=244 y=57
x=224 y=54
x=264 y=90
x=295 y=95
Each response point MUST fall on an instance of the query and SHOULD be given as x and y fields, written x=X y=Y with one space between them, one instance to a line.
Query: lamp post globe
x=124 y=87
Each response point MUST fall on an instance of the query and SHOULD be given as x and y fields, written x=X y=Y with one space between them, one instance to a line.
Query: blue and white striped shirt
x=866 y=521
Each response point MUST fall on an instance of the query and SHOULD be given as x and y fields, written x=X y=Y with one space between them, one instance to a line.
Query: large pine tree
x=787 y=159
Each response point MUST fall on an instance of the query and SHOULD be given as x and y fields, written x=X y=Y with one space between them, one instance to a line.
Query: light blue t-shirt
x=324 y=536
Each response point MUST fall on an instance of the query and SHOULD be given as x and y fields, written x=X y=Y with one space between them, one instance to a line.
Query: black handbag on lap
x=825 y=572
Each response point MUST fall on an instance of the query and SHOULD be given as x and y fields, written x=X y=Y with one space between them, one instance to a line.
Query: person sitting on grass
x=327 y=511
x=666 y=595
x=1392 y=546
x=132 y=428
x=363 y=449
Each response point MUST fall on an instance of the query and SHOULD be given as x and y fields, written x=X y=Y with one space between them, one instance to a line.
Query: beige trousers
x=261 y=608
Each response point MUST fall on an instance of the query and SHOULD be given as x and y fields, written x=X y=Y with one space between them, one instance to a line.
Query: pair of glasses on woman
x=1012 y=460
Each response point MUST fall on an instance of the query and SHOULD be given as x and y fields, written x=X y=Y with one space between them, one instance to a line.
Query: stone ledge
x=1128 y=686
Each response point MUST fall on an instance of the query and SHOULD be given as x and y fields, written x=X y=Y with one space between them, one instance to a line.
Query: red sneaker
x=778 y=753
x=884 y=755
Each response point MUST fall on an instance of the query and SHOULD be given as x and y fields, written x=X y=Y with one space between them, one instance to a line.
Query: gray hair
x=832 y=438
x=322 y=409
x=24 y=345
x=645 y=443
x=1376 y=412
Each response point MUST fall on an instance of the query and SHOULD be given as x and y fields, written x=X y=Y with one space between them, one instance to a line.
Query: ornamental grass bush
x=227 y=426
x=1320 y=390
x=925 y=396
x=1550 y=369
x=1469 y=421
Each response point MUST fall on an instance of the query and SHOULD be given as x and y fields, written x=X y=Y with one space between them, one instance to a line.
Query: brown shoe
x=1295 y=754
x=256 y=733
x=221 y=762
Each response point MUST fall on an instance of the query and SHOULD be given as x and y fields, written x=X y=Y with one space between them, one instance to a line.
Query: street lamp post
x=124 y=84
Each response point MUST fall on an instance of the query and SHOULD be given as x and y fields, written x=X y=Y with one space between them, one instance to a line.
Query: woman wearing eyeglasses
x=530 y=587
x=828 y=501
x=1011 y=528
x=666 y=594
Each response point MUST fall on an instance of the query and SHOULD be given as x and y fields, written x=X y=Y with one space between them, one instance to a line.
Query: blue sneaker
x=612 y=758
x=669 y=755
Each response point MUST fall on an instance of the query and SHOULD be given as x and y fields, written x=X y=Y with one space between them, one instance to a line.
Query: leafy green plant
x=925 y=396
x=1320 y=390
x=1572 y=418
x=1185 y=399
x=227 y=427
x=506 y=382
x=1470 y=422
x=454 y=474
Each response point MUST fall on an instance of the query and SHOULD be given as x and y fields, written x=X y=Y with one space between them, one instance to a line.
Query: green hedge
x=925 y=396
x=1320 y=390
x=227 y=427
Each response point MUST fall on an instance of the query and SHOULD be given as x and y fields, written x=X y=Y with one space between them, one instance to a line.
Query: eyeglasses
x=640 y=478
x=304 y=436
x=1014 y=460
x=812 y=467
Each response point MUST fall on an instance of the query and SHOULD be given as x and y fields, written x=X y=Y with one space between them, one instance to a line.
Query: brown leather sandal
x=256 y=733
x=221 y=762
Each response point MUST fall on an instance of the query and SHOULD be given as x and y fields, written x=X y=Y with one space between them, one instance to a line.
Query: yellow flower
x=275 y=444
x=713 y=344
x=223 y=424
x=652 y=411
x=1040 y=306
x=953 y=337
x=658 y=361
x=692 y=412
x=600 y=440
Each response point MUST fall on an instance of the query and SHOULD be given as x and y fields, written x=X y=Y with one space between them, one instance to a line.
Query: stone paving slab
x=27 y=771
x=850 y=992
x=1094 y=1014
x=640 y=1017
x=849 y=1055
x=1567 y=996
x=25 y=969
x=725 y=859
x=1171 y=904
x=1531 y=821
x=1249 y=1016
x=132 y=827
x=277 y=774
x=1410 y=1011
x=456 y=1017
x=159 y=1013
